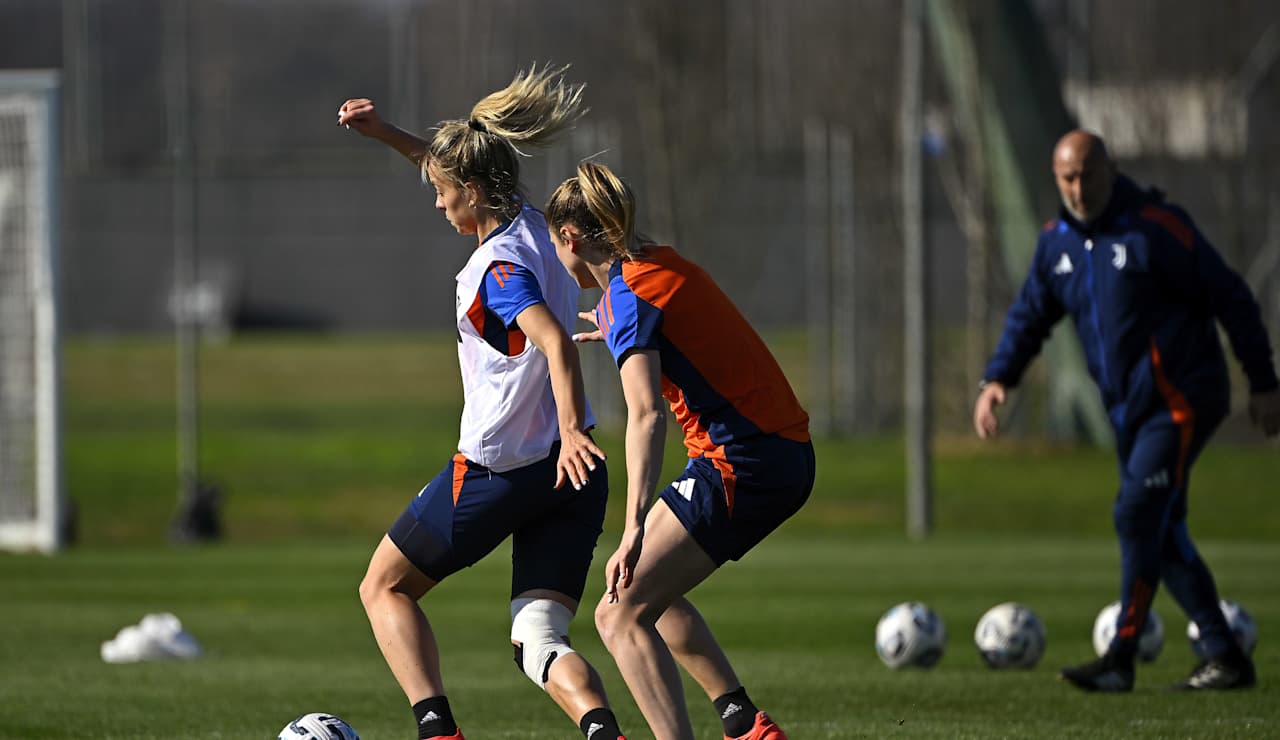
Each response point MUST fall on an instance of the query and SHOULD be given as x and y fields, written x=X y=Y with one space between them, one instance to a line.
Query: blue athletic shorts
x=468 y=510
x=773 y=479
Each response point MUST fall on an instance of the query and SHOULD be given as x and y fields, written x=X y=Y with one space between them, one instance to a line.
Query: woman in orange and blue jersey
x=678 y=338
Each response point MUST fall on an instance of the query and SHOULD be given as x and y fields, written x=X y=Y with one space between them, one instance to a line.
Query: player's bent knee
x=605 y=623
x=1137 y=521
x=1142 y=510
x=370 y=589
x=615 y=620
x=540 y=636
x=622 y=616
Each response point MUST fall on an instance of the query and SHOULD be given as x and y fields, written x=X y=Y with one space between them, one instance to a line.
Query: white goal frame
x=32 y=324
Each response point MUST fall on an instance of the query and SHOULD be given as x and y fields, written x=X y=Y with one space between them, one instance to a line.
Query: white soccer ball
x=318 y=726
x=910 y=634
x=1010 y=635
x=1150 y=642
x=1242 y=627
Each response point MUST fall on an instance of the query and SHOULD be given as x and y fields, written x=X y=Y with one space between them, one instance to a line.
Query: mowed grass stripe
x=285 y=634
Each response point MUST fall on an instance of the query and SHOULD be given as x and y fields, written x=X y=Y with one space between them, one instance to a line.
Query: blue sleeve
x=509 y=289
x=629 y=322
x=1027 y=324
x=1189 y=264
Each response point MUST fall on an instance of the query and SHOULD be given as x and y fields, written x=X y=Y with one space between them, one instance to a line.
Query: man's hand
x=985 y=422
x=1264 y=411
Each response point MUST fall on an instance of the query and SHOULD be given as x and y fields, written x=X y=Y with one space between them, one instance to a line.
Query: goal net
x=31 y=498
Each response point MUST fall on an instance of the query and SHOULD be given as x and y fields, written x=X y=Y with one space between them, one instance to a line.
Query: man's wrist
x=987 y=382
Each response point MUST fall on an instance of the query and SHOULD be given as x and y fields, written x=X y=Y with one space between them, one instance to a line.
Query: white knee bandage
x=540 y=634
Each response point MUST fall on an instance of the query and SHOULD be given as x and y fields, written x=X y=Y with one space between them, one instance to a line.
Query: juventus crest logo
x=1118 y=255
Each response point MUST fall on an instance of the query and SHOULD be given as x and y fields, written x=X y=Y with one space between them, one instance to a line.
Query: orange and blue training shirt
x=724 y=386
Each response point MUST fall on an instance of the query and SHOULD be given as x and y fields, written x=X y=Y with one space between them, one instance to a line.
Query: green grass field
x=318 y=443
x=285 y=634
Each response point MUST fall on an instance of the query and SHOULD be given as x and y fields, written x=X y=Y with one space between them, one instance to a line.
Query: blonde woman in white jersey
x=526 y=467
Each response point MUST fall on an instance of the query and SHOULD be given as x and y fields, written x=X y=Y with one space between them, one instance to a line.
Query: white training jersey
x=509 y=413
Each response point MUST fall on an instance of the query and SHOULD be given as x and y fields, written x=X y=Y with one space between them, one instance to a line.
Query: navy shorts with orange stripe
x=468 y=510
x=773 y=479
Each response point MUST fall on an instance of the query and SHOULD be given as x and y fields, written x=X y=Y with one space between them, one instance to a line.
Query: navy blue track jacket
x=1144 y=288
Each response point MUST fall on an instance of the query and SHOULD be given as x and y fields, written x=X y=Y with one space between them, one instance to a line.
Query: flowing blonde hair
x=531 y=111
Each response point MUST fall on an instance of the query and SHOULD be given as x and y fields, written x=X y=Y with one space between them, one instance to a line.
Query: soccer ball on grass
x=910 y=634
x=318 y=726
x=1150 y=642
x=1010 y=635
x=1243 y=628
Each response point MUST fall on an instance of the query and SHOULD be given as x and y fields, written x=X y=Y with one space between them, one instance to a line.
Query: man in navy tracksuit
x=1144 y=289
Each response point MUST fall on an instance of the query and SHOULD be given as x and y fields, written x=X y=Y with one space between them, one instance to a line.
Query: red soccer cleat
x=455 y=736
x=763 y=729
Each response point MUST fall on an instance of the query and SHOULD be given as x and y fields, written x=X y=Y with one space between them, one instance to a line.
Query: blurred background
x=250 y=343
x=804 y=152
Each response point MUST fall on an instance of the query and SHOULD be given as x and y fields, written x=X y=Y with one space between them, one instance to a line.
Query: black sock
x=1123 y=652
x=434 y=718
x=600 y=724
x=736 y=711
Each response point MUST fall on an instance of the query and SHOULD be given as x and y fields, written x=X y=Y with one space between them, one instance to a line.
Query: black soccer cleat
x=1231 y=670
x=1109 y=673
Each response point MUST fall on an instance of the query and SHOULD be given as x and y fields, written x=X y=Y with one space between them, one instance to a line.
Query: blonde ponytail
x=531 y=111
x=603 y=208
